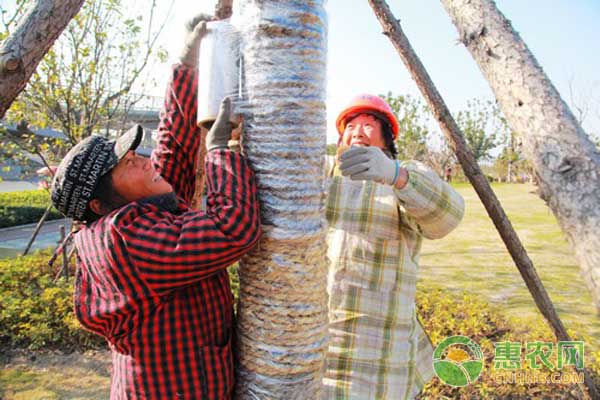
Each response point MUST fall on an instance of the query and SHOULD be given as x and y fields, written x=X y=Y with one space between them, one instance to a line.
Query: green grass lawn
x=474 y=259
x=57 y=376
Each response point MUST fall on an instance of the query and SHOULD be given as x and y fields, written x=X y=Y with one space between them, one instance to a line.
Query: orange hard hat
x=365 y=103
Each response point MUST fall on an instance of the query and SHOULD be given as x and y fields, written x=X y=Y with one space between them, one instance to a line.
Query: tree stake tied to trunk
x=565 y=160
x=392 y=29
x=22 y=51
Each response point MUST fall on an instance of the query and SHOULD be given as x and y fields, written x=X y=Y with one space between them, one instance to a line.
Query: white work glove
x=195 y=30
x=369 y=164
x=220 y=132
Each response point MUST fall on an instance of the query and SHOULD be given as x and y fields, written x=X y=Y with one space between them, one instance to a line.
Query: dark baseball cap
x=80 y=171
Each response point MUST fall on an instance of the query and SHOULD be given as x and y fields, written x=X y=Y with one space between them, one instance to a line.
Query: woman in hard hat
x=379 y=210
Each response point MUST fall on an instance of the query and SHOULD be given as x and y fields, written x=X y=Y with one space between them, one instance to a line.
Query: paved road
x=12 y=186
x=14 y=239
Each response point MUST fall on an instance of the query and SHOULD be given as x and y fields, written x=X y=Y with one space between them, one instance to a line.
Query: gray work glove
x=369 y=164
x=220 y=133
x=195 y=31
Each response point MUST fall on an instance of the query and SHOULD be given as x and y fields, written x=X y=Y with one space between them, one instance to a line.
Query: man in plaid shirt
x=151 y=274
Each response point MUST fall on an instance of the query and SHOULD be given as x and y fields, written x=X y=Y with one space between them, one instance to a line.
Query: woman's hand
x=371 y=164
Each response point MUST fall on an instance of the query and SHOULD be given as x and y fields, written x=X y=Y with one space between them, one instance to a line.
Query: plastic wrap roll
x=282 y=313
x=218 y=69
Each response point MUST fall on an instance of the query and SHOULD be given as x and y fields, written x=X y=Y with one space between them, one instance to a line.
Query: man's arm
x=171 y=251
x=433 y=204
x=176 y=151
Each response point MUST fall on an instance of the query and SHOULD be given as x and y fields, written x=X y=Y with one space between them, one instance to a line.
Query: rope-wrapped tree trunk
x=282 y=310
x=22 y=51
x=565 y=160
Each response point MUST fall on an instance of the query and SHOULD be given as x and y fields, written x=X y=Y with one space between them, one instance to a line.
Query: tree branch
x=472 y=170
x=23 y=50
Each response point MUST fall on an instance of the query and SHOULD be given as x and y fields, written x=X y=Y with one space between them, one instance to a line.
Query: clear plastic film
x=279 y=88
x=218 y=69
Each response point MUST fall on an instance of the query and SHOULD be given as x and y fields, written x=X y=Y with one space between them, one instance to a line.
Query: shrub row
x=36 y=312
x=24 y=207
x=444 y=313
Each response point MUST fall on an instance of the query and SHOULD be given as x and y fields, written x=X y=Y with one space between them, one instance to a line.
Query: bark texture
x=392 y=29
x=565 y=161
x=22 y=51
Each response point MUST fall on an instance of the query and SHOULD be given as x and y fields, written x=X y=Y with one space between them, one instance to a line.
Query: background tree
x=22 y=145
x=413 y=118
x=584 y=100
x=83 y=84
x=442 y=159
x=482 y=126
x=511 y=164
x=565 y=159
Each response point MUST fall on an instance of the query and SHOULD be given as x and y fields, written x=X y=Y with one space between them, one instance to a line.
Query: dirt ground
x=28 y=375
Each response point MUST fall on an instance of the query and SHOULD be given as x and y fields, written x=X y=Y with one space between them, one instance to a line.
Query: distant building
x=145 y=113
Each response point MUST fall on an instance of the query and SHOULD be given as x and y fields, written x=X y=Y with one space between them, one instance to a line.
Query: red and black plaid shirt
x=152 y=277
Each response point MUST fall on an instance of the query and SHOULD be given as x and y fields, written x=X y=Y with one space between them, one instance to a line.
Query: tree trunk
x=223 y=10
x=392 y=29
x=200 y=173
x=22 y=51
x=282 y=310
x=565 y=161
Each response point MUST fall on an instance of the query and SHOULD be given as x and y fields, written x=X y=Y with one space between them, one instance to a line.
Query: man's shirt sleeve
x=429 y=201
x=174 y=250
x=176 y=153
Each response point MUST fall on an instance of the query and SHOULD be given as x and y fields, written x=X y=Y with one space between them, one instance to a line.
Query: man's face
x=134 y=178
x=364 y=130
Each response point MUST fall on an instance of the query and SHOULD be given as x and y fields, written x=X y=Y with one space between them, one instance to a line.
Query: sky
x=562 y=34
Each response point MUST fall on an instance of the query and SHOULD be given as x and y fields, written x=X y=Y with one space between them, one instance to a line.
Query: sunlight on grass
x=473 y=258
x=76 y=381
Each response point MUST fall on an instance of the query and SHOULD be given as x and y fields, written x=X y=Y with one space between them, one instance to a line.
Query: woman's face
x=364 y=130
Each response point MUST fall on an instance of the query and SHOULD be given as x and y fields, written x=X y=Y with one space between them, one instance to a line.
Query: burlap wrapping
x=282 y=313
x=282 y=318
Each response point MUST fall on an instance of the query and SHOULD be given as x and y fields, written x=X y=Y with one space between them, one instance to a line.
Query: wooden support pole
x=36 y=231
x=65 y=255
x=392 y=29
x=21 y=52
